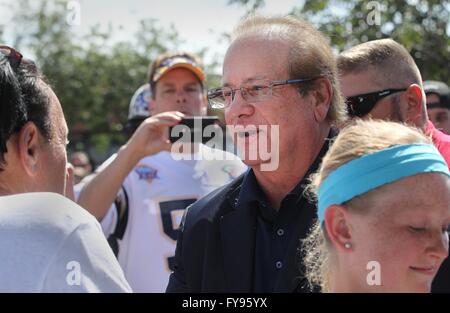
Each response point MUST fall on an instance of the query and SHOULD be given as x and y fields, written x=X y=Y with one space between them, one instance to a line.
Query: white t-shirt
x=159 y=188
x=50 y=244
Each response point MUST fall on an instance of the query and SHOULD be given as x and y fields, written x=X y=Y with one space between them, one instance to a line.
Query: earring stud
x=347 y=245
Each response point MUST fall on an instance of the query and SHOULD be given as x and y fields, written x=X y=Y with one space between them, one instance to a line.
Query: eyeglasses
x=360 y=105
x=222 y=97
x=14 y=56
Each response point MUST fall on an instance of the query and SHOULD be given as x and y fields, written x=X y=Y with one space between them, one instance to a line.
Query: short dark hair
x=23 y=98
x=395 y=66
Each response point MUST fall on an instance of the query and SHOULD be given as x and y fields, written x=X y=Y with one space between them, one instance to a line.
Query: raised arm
x=151 y=137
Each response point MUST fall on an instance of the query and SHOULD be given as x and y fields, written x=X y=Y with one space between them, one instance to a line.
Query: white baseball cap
x=139 y=104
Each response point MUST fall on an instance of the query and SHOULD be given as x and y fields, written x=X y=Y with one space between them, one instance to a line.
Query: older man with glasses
x=139 y=194
x=380 y=80
x=278 y=73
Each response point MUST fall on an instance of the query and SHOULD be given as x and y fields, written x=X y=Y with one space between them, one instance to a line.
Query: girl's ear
x=337 y=223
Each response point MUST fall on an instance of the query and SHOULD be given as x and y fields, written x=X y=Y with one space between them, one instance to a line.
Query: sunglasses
x=360 y=105
x=434 y=105
x=14 y=56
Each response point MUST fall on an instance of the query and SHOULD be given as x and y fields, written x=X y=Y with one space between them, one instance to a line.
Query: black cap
x=439 y=88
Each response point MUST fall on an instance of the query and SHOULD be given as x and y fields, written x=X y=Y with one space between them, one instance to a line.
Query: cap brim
x=196 y=70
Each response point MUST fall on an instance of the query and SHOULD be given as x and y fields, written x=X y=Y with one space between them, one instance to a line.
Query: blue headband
x=377 y=169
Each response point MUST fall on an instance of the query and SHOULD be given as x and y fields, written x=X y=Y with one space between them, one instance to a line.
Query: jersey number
x=169 y=229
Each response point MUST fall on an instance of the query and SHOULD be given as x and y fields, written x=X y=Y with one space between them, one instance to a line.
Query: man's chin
x=262 y=165
x=252 y=163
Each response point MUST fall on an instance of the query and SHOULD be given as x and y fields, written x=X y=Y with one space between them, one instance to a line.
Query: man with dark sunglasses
x=362 y=105
x=380 y=80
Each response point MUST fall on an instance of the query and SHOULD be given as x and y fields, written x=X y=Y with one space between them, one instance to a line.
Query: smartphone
x=195 y=126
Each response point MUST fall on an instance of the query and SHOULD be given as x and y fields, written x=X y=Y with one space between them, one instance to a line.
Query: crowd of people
x=359 y=199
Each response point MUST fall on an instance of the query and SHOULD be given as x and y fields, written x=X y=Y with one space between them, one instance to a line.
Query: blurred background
x=96 y=53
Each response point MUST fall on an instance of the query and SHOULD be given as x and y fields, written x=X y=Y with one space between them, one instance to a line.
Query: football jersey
x=157 y=191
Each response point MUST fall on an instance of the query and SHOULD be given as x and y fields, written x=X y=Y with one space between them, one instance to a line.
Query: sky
x=199 y=23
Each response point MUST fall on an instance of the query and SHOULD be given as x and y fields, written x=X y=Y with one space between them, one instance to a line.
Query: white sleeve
x=77 y=190
x=109 y=221
x=85 y=263
x=120 y=204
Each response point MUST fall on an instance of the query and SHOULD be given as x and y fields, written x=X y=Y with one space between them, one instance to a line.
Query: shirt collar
x=250 y=191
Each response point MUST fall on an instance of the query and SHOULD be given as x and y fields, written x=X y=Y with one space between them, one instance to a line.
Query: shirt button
x=279 y=264
x=280 y=232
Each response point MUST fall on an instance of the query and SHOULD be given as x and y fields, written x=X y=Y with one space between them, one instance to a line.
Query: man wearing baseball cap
x=438 y=104
x=140 y=196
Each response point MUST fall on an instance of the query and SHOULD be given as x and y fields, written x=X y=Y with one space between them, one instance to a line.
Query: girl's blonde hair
x=360 y=138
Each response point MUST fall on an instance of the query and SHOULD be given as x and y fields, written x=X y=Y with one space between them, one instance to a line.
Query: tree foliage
x=422 y=26
x=93 y=76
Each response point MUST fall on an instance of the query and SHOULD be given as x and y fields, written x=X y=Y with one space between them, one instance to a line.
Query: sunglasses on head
x=14 y=56
x=361 y=105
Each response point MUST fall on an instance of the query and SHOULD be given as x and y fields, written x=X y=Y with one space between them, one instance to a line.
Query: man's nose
x=181 y=96
x=239 y=107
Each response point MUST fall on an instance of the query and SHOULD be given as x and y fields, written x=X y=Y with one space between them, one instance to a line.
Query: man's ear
x=28 y=147
x=414 y=104
x=323 y=94
x=338 y=227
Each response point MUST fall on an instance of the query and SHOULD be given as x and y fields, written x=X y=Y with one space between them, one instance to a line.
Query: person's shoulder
x=444 y=138
x=152 y=161
x=38 y=225
x=46 y=210
x=161 y=156
x=440 y=139
x=210 y=206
